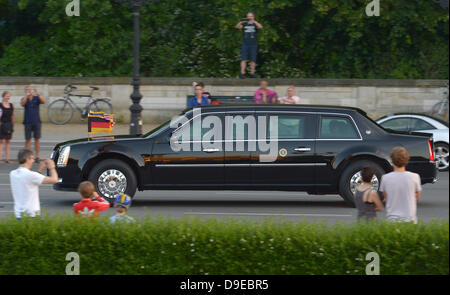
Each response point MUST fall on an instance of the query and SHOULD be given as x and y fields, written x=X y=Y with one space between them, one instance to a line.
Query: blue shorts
x=249 y=52
x=34 y=128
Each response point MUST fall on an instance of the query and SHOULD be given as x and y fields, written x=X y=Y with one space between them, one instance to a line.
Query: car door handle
x=210 y=150
x=302 y=149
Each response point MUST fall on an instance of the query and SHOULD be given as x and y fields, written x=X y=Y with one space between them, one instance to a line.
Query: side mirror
x=170 y=136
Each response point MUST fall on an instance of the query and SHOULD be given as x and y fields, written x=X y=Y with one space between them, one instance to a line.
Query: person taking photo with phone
x=32 y=120
x=25 y=183
x=249 y=49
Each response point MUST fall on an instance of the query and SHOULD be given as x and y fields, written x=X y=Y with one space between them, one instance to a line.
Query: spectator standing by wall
x=6 y=124
x=249 y=49
x=291 y=98
x=25 y=183
x=401 y=189
x=263 y=95
x=32 y=119
x=199 y=98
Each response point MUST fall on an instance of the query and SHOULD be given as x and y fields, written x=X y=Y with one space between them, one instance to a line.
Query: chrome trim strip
x=268 y=139
x=246 y=140
x=188 y=165
x=239 y=165
x=290 y=164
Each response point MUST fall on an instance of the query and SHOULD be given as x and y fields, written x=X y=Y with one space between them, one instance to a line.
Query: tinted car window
x=419 y=124
x=240 y=124
x=334 y=127
x=291 y=126
x=399 y=124
x=187 y=131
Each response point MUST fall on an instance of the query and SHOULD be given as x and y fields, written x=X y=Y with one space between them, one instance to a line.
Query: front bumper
x=65 y=187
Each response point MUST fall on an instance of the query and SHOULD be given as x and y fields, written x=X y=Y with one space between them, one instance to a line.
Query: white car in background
x=422 y=123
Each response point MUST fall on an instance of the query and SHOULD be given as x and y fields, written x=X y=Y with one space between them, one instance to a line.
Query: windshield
x=157 y=130
x=166 y=125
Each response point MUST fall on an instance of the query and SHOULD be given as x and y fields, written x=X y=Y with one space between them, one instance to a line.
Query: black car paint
x=143 y=153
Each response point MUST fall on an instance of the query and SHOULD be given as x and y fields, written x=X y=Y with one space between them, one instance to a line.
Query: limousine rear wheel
x=351 y=177
x=113 y=177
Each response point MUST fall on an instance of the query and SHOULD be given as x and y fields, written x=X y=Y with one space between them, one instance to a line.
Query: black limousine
x=315 y=149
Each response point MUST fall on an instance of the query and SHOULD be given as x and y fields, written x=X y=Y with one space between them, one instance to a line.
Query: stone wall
x=165 y=97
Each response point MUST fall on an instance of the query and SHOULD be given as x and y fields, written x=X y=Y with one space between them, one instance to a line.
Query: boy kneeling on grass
x=91 y=203
x=122 y=202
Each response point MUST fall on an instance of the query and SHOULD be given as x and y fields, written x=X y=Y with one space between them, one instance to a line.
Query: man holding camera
x=32 y=119
x=25 y=183
x=249 y=48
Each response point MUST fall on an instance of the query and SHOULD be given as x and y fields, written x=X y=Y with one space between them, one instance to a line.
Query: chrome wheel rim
x=111 y=183
x=357 y=180
x=442 y=157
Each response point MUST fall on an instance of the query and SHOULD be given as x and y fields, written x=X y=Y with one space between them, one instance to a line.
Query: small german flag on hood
x=100 y=122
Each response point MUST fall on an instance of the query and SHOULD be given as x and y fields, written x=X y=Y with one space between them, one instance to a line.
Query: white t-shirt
x=25 y=190
x=283 y=100
x=401 y=188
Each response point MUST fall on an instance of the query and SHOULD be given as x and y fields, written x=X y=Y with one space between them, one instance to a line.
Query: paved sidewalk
x=53 y=134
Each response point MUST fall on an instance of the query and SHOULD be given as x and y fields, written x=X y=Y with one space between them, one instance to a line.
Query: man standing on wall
x=32 y=119
x=249 y=48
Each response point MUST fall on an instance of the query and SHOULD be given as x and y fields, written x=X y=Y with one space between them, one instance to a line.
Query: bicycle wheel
x=60 y=112
x=100 y=105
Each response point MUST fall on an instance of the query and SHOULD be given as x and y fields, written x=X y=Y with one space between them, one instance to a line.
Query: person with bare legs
x=249 y=49
x=6 y=124
x=32 y=120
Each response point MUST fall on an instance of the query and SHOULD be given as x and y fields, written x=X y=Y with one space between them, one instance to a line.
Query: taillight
x=430 y=150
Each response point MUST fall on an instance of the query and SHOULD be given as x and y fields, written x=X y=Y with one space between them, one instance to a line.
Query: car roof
x=415 y=114
x=280 y=107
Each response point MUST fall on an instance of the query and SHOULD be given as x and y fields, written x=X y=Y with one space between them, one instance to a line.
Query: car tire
x=441 y=148
x=112 y=177
x=346 y=176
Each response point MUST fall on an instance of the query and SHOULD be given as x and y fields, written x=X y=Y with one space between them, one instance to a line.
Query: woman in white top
x=290 y=98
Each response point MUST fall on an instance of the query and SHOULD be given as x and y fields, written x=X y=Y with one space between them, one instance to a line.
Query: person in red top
x=91 y=203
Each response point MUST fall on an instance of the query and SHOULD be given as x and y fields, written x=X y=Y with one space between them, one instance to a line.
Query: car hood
x=97 y=139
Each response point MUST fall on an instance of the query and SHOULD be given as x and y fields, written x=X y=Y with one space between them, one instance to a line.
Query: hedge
x=192 y=245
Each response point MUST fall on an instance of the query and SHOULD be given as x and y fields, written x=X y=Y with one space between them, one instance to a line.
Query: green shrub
x=197 y=38
x=220 y=246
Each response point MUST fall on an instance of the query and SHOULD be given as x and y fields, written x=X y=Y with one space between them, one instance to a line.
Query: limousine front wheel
x=351 y=178
x=113 y=177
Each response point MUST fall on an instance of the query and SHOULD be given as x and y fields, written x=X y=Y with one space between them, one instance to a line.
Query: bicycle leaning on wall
x=440 y=109
x=61 y=110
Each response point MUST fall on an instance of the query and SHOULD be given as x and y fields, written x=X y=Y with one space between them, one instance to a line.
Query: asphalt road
x=257 y=205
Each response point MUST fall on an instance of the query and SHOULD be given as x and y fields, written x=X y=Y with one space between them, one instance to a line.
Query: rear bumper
x=427 y=170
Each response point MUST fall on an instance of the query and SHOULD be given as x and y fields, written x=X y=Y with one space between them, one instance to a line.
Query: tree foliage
x=180 y=38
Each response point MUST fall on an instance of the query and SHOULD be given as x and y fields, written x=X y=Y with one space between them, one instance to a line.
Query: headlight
x=63 y=157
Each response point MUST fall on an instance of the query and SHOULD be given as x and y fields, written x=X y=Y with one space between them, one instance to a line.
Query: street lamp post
x=136 y=96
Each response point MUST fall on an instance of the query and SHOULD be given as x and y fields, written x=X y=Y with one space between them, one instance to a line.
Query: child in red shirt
x=91 y=203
